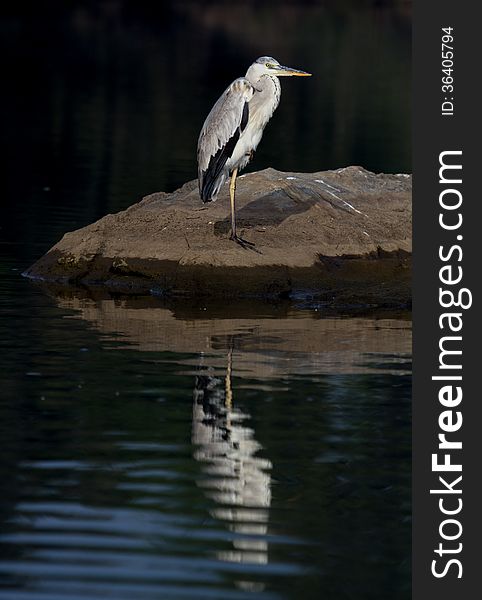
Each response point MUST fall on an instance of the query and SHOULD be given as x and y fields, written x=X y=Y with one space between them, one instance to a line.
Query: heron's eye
x=269 y=66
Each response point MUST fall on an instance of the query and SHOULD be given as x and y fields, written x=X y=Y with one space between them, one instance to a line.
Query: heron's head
x=267 y=65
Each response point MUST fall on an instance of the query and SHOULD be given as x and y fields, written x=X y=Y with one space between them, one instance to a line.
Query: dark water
x=167 y=449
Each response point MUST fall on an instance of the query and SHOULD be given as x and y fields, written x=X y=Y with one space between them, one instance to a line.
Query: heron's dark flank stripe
x=216 y=166
x=245 y=117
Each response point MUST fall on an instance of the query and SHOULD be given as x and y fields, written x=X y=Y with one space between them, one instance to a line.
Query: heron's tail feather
x=214 y=176
x=207 y=190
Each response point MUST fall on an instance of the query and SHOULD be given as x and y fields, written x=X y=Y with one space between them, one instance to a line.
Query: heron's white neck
x=269 y=82
x=261 y=81
x=267 y=92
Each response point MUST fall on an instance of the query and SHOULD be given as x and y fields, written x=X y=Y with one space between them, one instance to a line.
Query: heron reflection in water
x=234 y=127
x=237 y=479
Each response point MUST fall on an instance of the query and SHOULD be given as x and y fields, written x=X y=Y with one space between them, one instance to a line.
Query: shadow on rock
x=267 y=210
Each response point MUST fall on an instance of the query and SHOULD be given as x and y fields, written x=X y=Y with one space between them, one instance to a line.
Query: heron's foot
x=242 y=242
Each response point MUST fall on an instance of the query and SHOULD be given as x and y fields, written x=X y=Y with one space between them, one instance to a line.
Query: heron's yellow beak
x=288 y=71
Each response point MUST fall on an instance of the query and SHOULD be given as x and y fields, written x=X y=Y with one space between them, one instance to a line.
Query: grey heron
x=234 y=127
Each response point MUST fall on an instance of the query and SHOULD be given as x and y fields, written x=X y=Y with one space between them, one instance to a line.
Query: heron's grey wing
x=220 y=134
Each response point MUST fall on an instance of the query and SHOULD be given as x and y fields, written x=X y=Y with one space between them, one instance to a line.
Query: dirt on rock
x=342 y=236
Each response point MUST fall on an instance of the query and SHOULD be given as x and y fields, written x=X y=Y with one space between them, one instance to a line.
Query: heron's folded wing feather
x=223 y=123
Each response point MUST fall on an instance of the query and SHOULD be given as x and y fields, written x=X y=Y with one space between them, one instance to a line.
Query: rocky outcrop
x=343 y=236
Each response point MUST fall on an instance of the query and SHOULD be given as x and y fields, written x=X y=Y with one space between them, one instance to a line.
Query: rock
x=344 y=236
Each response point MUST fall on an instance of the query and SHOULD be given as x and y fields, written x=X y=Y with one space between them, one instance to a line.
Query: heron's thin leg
x=232 y=192
x=228 y=390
